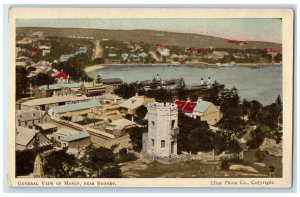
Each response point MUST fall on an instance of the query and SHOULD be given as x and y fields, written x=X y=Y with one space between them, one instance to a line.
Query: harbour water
x=261 y=84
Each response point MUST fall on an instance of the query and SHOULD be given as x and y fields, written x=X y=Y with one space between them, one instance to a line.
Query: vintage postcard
x=150 y=97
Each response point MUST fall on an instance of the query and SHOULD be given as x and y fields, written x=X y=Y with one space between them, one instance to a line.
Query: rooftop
x=47 y=126
x=60 y=86
x=136 y=101
x=120 y=124
x=64 y=131
x=77 y=106
x=54 y=99
x=201 y=105
x=76 y=136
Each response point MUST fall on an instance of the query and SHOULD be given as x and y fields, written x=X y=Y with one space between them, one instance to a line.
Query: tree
x=278 y=58
x=185 y=124
x=180 y=87
x=60 y=164
x=231 y=128
x=22 y=82
x=201 y=139
x=257 y=138
x=42 y=79
x=99 y=79
x=136 y=137
x=96 y=159
x=141 y=112
x=111 y=172
x=25 y=161
x=229 y=101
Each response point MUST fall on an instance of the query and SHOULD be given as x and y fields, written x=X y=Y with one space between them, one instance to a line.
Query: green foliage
x=111 y=172
x=127 y=90
x=96 y=160
x=60 y=164
x=75 y=67
x=258 y=137
x=201 y=139
x=260 y=156
x=78 y=174
x=225 y=165
x=278 y=58
x=229 y=101
x=141 y=112
x=186 y=124
x=25 y=161
x=42 y=79
x=22 y=82
x=136 y=135
x=126 y=157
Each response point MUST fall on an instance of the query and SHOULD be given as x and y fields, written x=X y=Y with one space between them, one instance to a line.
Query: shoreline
x=192 y=64
x=94 y=67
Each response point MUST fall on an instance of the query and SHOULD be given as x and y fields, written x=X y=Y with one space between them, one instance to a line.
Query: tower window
x=153 y=123
x=173 y=123
x=152 y=142
x=163 y=144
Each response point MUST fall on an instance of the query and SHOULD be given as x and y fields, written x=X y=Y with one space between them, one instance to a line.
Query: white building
x=161 y=139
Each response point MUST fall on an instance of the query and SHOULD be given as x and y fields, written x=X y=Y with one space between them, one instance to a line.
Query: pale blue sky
x=240 y=29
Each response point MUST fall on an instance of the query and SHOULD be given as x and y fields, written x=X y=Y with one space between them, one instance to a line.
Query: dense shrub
x=225 y=165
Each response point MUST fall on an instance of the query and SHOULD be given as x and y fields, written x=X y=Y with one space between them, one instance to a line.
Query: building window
x=46 y=120
x=152 y=142
x=163 y=144
x=153 y=123
x=173 y=123
x=33 y=114
x=25 y=123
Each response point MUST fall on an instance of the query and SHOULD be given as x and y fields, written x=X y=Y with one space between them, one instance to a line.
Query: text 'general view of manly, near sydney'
x=149 y=98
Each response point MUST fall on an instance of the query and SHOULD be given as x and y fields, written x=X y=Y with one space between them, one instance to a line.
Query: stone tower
x=161 y=139
x=38 y=171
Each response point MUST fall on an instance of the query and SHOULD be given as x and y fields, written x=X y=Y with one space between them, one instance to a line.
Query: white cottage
x=161 y=139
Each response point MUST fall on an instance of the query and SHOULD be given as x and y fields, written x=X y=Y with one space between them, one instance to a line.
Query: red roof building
x=185 y=106
x=61 y=74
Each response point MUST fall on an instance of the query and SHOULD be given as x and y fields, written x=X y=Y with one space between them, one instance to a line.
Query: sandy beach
x=94 y=67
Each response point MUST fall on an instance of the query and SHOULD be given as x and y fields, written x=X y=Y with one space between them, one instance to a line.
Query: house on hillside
x=82 y=49
x=130 y=105
x=65 y=57
x=26 y=138
x=29 y=117
x=62 y=77
x=204 y=110
x=45 y=50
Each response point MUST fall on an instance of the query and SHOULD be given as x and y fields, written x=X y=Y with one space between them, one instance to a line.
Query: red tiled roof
x=185 y=106
x=62 y=74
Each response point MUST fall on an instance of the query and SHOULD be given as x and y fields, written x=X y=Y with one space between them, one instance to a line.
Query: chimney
x=136 y=94
x=202 y=82
x=208 y=80
x=188 y=99
x=157 y=77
